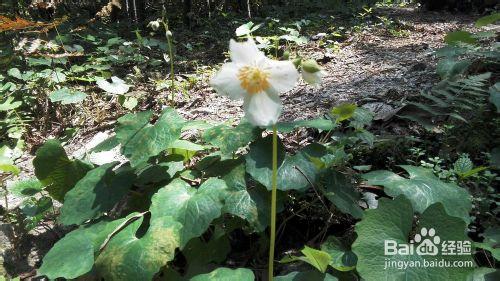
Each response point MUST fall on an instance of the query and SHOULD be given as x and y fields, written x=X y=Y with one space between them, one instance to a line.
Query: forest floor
x=372 y=68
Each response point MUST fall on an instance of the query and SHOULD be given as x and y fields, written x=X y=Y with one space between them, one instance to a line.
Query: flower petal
x=262 y=109
x=283 y=75
x=226 y=81
x=245 y=52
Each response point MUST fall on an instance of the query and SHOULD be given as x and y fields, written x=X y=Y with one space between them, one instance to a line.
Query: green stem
x=273 y=203
x=172 y=75
x=62 y=44
x=168 y=34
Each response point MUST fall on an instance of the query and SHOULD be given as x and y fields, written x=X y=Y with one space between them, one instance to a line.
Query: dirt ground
x=372 y=68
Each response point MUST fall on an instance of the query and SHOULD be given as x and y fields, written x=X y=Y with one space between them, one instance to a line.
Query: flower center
x=253 y=79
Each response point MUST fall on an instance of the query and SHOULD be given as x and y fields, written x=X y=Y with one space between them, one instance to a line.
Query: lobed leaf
x=423 y=189
x=294 y=172
x=230 y=139
x=56 y=171
x=392 y=220
x=341 y=193
x=459 y=36
x=95 y=194
x=67 y=96
x=140 y=140
x=320 y=124
x=483 y=21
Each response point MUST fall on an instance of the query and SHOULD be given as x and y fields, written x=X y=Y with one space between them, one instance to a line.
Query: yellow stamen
x=253 y=79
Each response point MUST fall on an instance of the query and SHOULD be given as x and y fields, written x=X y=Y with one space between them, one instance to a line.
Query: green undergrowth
x=190 y=199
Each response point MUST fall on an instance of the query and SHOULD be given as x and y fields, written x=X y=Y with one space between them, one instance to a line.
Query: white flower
x=257 y=79
x=154 y=25
x=312 y=73
x=116 y=87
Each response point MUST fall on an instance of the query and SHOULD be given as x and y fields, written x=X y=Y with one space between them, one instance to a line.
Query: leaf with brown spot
x=141 y=140
x=128 y=257
x=179 y=213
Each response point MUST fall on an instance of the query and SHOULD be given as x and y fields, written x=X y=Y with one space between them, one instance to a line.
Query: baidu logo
x=425 y=243
x=429 y=242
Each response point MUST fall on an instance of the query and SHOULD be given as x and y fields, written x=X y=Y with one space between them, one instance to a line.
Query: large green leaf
x=193 y=208
x=197 y=125
x=312 y=275
x=179 y=213
x=187 y=145
x=67 y=96
x=200 y=255
x=229 y=139
x=450 y=67
x=248 y=204
x=320 y=124
x=106 y=145
x=238 y=201
x=361 y=118
x=226 y=274
x=245 y=205
x=488 y=20
x=139 y=248
x=141 y=140
x=55 y=263
x=459 y=36
x=339 y=190
x=127 y=257
x=73 y=255
x=232 y=172
x=55 y=170
x=95 y=194
x=294 y=172
x=392 y=221
x=155 y=173
x=423 y=189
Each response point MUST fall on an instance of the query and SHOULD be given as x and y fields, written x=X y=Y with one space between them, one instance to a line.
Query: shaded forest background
x=406 y=82
x=189 y=11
